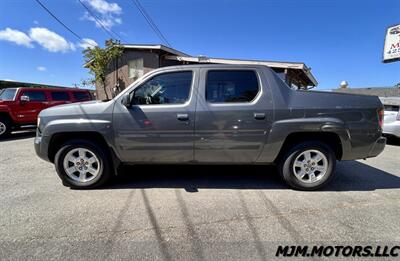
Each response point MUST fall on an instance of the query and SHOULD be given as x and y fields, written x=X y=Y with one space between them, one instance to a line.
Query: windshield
x=7 y=94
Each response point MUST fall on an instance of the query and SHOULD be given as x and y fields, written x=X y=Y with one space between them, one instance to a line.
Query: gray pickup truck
x=211 y=114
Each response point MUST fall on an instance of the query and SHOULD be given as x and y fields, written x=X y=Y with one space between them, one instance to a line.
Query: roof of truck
x=51 y=88
x=211 y=65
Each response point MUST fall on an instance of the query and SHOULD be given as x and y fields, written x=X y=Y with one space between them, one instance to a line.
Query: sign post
x=391 y=49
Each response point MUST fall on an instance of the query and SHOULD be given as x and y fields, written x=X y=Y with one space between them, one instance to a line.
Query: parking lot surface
x=190 y=212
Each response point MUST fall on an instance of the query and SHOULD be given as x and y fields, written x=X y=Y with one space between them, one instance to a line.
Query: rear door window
x=35 y=95
x=60 y=96
x=231 y=86
x=81 y=96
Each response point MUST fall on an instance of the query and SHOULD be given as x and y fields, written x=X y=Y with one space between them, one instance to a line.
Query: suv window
x=81 y=96
x=231 y=86
x=59 y=96
x=35 y=95
x=167 y=88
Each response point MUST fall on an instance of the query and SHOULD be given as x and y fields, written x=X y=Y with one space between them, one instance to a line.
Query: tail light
x=381 y=114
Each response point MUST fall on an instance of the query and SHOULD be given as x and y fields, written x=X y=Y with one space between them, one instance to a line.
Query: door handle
x=182 y=116
x=259 y=116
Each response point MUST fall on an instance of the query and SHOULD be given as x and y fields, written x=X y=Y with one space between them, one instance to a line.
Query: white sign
x=391 y=51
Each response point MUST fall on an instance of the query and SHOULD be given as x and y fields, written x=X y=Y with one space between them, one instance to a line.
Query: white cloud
x=108 y=14
x=104 y=7
x=107 y=21
x=50 y=40
x=72 y=46
x=87 y=43
x=35 y=22
x=41 y=68
x=16 y=37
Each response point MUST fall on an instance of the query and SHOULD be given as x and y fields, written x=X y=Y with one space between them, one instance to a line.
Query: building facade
x=138 y=60
x=375 y=91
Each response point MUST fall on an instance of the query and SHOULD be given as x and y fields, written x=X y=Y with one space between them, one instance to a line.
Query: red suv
x=21 y=106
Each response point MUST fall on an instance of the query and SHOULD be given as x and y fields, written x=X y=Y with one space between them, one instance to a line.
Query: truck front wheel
x=308 y=166
x=82 y=164
x=5 y=127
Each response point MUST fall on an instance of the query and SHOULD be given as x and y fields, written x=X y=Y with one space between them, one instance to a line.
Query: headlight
x=38 y=122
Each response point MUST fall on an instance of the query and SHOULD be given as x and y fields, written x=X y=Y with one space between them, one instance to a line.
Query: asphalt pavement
x=190 y=212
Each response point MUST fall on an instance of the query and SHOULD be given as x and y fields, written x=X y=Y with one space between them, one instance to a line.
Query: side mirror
x=126 y=101
x=24 y=98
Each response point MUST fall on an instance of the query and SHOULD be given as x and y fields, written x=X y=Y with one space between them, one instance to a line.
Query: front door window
x=167 y=88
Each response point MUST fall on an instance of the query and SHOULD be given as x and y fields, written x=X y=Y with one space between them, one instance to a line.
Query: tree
x=99 y=62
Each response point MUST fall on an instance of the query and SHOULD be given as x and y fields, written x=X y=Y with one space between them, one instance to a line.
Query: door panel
x=156 y=132
x=233 y=131
x=29 y=110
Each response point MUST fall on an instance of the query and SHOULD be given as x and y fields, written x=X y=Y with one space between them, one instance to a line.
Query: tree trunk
x=105 y=90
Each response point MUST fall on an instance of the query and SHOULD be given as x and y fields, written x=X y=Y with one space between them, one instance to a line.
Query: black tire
x=286 y=165
x=5 y=122
x=105 y=167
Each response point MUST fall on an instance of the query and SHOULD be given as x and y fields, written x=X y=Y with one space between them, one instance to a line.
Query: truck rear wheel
x=5 y=127
x=82 y=164
x=308 y=166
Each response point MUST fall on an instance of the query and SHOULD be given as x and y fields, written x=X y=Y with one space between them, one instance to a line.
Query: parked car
x=391 y=124
x=19 y=107
x=211 y=114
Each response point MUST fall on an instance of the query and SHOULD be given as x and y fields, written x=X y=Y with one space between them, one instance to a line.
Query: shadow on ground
x=19 y=135
x=391 y=140
x=350 y=176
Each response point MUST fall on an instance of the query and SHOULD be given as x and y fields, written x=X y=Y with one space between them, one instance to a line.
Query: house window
x=135 y=68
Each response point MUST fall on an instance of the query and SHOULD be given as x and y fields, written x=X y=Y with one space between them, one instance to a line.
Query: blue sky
x=338 y=39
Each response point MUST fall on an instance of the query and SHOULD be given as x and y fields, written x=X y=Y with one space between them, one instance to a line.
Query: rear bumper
x=377 y=148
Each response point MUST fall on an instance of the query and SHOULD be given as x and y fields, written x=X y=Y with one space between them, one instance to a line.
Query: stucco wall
x=121 y=76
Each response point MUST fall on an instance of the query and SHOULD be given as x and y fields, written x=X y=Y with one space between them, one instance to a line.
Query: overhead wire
x=63 y=24
x=151 y=23
x=109 y=31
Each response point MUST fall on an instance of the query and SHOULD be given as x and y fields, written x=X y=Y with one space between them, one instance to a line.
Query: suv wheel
x=308 y=165
x=5 y=127
x=82 y=164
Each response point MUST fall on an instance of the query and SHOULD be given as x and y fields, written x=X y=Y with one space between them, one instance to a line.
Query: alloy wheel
x=81 y=165
x=310 y=166
x=3 y=128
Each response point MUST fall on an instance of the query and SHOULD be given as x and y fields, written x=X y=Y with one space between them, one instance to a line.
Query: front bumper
x=41 y=147
x=377 y=148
